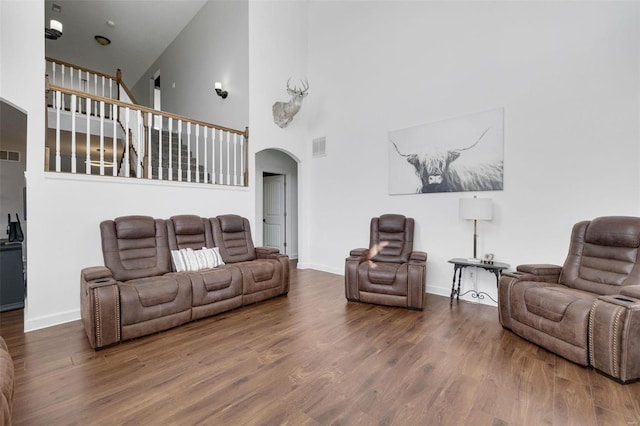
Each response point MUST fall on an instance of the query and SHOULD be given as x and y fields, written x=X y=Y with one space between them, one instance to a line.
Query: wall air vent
x=320 y=147
x=10 y=155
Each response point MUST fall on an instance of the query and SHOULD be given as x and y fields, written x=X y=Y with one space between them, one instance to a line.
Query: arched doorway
x=277 y=201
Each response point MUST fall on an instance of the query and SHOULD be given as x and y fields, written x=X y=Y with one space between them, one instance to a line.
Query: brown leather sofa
x=138 y=292
x=389 y=272
x=588 y=310
x=7 y=385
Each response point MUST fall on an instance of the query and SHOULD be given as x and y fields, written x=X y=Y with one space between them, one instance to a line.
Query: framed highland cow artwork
x=456 y=155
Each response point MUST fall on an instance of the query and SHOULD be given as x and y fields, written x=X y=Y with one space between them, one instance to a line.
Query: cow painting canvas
x=456 y=155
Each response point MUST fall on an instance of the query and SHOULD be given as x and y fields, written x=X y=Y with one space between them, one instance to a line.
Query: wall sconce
x=54 y=31
x=476 y=209
x=222 y=93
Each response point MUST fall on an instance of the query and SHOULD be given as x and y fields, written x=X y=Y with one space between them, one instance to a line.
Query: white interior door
x=274 y=213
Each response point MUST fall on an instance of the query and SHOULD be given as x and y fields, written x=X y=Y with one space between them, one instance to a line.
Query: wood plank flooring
x=311 y=358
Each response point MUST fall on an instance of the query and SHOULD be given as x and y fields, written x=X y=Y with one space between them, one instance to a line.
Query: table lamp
x=475 y=209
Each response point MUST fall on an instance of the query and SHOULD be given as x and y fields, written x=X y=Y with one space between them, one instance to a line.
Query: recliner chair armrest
x=631 y=291
x=358 y=254
x=536 y=272
x=418 y=257
x=268 y=253
x=95 y=273
x=100 y=306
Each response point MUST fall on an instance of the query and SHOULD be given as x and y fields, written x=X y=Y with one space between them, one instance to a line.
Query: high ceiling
x=142 y=30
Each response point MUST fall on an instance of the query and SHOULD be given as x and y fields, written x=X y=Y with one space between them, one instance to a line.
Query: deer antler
x=476 y=143
x=396 y=147
x=305 y=86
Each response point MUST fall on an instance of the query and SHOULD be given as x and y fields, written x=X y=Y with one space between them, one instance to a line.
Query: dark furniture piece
x=459 y=264
x=11 y=276
x=389 y=272
x=588 y=310
x=138 y=292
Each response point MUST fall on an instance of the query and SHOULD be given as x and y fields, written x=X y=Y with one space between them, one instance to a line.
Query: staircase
x=197 y=171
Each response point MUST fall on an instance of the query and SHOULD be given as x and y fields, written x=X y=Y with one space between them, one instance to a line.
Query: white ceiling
x=143 y=30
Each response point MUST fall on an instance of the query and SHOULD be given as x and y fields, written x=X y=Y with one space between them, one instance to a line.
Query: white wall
x=214 y=46
x=566 y=74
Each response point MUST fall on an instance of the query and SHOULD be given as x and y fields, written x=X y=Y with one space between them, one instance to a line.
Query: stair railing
x=218 y=154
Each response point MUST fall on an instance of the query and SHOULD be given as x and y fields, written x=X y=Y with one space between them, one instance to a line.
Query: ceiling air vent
x=320 y=147
x=10 y=155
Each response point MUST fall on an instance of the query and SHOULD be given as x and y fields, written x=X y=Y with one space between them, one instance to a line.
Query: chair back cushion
x=135 y=247
x=232 y=235
x=391 y=238
x=603 y=255
x=188 y=231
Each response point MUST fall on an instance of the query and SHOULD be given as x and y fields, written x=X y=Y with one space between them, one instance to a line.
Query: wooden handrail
x=124 y=86
x=101 y=74
x=121 y=104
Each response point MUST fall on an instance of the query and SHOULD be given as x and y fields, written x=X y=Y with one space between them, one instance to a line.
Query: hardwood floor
x=311 y=358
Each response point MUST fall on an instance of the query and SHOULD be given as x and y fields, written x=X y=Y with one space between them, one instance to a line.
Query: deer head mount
x=283 y=112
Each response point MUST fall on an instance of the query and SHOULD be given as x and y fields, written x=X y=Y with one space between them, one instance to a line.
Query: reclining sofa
x=588 y=310
x=139 y=290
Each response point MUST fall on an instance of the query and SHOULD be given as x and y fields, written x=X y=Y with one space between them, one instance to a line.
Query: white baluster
x=53 y=73
x=235 y=159
x=205 y=176
x=197 y=157
x=188 y=152
x=221 y=140
x=139 y=143
x=58 y=106
x=242 y=157
x=170 y=169
x=149 y=149
x=101 y=138
x=87 y=161
x=159 y=148
x=114 y=118
x=74 y=164
x=228 y=182
x=179 y=150
x=62 y=84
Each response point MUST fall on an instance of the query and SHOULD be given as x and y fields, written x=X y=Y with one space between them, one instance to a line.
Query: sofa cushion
x=133 y=227
x=151 y=298
x=231 y=223
x=383 y=278
x=154 y=291
x=614 y=232
x=547 y=302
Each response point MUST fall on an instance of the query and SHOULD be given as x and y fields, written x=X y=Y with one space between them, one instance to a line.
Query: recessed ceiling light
x=102 y=40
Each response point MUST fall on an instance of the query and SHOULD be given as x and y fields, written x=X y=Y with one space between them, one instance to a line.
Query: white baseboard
x=45 y=321
x=322 y=268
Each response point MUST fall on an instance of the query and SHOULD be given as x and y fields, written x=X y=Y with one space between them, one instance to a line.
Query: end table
x=459 y=264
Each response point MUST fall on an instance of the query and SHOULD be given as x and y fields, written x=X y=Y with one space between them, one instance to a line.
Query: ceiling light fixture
x=102 y=40
x=54 y=31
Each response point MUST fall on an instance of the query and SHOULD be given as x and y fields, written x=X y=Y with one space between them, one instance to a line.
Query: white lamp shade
x=55 y=25
x=217 y=85
x=476 y=208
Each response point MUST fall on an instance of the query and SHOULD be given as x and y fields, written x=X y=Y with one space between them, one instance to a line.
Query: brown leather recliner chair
x=213 y=290
x=265 y=272
x=151 y=298
x=389 y=272
x=587 y=311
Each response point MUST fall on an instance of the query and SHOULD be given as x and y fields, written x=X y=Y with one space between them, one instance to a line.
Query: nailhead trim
x=615 y=344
